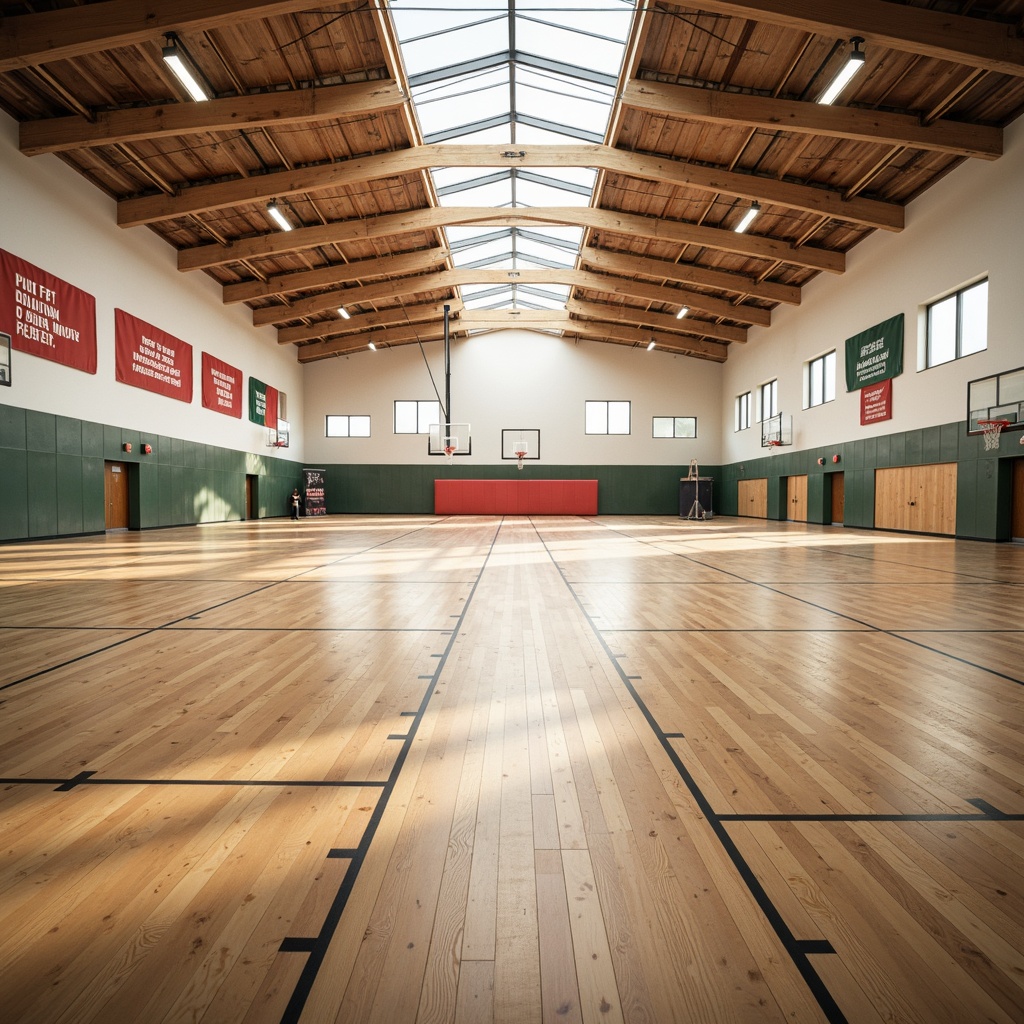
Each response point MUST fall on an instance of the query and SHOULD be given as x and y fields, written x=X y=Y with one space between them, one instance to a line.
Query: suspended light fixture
x=373 y=348
x=278 y=217
x=748 y=218
x=176 y=59
x=344 y=313
x=854 y=62
x=651 y=345
x=682 y=312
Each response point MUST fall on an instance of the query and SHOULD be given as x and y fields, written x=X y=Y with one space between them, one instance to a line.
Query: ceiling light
x=748 y=218
x=344 y=313
x=651 y=345
x=373 y=348
x=278 y=217
x=175 y=58
x=682 y=312
x=854 y=62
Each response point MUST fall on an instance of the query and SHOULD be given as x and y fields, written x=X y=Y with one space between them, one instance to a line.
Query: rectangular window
x=606 y=417
x=675 y=426
x=348 y=426
x=821 y=379
x=957 y=325
x=416 y=417
x=768 y=397
x=743 y=411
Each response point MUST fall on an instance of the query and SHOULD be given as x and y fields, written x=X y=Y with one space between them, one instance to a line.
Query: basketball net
x=519 y=458
x=449 y=452
x=992 y=429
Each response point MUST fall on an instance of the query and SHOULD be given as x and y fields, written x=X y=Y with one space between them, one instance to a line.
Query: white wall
x=512 y=379
x=55 y=220
x=971 y=224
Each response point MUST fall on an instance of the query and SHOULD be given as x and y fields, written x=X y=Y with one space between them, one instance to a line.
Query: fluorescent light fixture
x=278 y=217
x=748 y=218
x=174 y=58
x=373 y=348
x=682 y=312
x=344 y=313
x=854 y=62
x=651 y=345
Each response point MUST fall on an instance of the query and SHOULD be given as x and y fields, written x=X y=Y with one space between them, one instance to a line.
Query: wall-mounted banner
x=316 y=492
x=876 y=403
x=146 y=357
x=45 y=316
x=222 y=387
x=262 y=403
x=875 y=354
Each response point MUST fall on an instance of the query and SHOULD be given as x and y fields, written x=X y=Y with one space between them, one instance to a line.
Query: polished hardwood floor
x=422 y=769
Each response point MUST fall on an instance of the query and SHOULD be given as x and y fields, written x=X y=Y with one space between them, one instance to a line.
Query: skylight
x=499 y=72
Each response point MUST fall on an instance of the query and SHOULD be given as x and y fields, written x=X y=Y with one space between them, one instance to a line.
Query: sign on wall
x=875 y=354
x=876 y=403
x=45 y=316
x=262 y=403
x=316 y=492
x=147 y=357
x=222 y=386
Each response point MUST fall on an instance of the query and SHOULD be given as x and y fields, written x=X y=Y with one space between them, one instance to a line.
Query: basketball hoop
x=449 y=452
x=774 y=443
x=992 y=429
x=520 y=455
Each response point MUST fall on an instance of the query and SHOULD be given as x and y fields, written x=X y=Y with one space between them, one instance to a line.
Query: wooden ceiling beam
x=336 y=274
x=203 y=257
x=292 y=106
x=361 y=323
x=976 y=42
x=261 y=188
x=619 y=334
x=625 y=265
x=685 y=101
x=30 y=39
x=643 y=320
x=450 y=279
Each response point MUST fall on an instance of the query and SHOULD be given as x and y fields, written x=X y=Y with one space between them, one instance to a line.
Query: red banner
x=146 y=357
x=222 y=387
x=876 y=402
x=45 y=316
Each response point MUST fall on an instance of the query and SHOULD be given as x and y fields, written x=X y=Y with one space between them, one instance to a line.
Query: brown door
x=921 y=499
x=115 y=492
x=796 y=498
x=250 y=489
x=1017 y=506
x=838 y=497
x=753 y=498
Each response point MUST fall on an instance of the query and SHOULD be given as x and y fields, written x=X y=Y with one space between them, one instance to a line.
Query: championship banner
x=876 y=403
x=222 y=387
x=45 y=316
x=262 y=403
x=316 y=492
x=875 y=354
x=146 y=357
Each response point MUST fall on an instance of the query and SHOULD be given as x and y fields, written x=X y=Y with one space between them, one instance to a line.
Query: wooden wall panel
x=753 y=498
x=796 y=498
x=919 y=499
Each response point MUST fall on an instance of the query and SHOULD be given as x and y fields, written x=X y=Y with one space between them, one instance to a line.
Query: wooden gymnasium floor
x=407 y=769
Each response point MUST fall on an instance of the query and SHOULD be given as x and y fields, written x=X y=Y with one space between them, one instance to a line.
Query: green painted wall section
x=52 y=472
x=984 y=478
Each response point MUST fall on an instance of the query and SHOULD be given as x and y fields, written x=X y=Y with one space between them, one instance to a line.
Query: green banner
x=875 y=354
x=262 y=403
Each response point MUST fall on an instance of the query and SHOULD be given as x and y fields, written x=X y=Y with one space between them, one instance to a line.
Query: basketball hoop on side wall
x=992 y=429
x=772 y=443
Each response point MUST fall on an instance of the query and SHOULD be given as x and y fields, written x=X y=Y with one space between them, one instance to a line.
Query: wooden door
x=838 y=497
x=115 y=493
x=796 y=498
x=753 y=498
x=1017 y=501
x=920 y=499
x=250 y=493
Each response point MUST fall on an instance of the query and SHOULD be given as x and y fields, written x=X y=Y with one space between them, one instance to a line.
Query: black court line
x=986 y=815
x=319 y=944
x=90 y=779
x=799 y=950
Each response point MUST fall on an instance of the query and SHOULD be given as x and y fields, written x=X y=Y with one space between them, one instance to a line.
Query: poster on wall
x=876 y=403
x=45 y=316
x=262 y=404
x=875 y=354
x=149 y=358
x=222 y=386
x=316 y=492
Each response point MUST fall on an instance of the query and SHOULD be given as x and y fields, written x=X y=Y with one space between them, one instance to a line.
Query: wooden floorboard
x=416 y=769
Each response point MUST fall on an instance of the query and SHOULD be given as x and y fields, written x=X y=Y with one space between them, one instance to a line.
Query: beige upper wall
x=968 y=226
x=55 y=220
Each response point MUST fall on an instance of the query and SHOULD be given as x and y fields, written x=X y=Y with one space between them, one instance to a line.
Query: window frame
x=744 y=406
x=675 y=435
x=827 y=384
x=421 y=427
x=607 y=403
x=772 y=408
x=347 y=417
x=957 y=297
